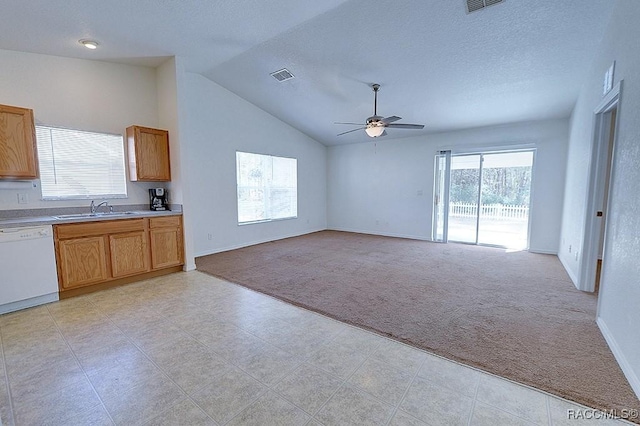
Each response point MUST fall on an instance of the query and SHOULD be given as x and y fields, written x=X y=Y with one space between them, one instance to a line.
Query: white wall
x=219 y=123
x=375 y=187
x=79 y=94
x=172 y=117
x=619 y=298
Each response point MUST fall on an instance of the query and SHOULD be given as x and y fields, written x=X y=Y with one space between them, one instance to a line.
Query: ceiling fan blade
x=354 y=130
x=405 y=126
x=391 y=119
x=384 y=133
x=353 y=124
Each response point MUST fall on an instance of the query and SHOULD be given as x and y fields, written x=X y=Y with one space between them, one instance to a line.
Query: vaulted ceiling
x=437 y=65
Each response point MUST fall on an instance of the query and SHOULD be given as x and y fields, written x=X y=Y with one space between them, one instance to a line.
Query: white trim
x=383 y=234
x=569 y=272
x=532 y=196
x=437 y=184
x=595 y=189
x=28 y=303
x=627 y=370
x=542 y=251
x=489 y=149
x=190 y=266
x=255 y=242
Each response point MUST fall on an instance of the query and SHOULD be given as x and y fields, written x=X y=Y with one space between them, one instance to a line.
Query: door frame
x=444 y=185
x=598 y=164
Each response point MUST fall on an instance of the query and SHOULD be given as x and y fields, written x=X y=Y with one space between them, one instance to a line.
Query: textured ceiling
x=438 y=66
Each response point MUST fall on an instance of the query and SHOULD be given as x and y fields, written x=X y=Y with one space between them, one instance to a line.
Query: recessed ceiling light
x=89 y=44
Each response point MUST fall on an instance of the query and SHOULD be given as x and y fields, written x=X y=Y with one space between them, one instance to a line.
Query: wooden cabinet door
x=148 y=154
x=129 y=254
x=83 y=261
x=18 y=153
x=166 y=247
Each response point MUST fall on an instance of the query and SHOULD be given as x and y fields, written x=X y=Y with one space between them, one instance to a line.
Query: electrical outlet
x=209 y=237
x=569 y=248
x=23 y=198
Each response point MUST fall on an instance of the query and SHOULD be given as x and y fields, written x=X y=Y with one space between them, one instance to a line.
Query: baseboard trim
x=255 y=242
x=190 y=266
x=628 y=372
x=538 y=251
x=382 y=234
x=573 y=278
x=28 y=303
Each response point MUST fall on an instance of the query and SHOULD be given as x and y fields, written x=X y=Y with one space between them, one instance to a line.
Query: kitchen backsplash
x=11 y=193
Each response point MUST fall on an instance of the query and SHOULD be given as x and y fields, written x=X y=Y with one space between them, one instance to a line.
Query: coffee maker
x=159 y=199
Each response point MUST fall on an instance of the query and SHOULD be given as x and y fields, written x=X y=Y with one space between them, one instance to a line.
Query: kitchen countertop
x=58 y=220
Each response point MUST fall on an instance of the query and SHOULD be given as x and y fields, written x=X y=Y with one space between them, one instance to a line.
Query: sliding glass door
x=488 y=198
x=463 y=198
x=506 y=186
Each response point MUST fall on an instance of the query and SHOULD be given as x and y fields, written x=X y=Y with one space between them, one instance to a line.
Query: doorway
x=486 y=198
x=601 y=172
x=611 y=119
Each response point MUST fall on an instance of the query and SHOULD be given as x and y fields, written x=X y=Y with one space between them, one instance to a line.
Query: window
x=76 y=165
x=267 y=187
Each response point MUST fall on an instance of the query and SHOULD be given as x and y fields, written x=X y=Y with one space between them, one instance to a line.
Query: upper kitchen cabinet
x=18 y=153
x=148 y=154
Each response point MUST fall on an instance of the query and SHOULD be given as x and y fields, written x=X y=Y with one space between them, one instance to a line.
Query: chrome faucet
x=94 y=207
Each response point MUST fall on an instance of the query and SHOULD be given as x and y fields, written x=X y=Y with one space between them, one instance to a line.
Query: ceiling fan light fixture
x=89 y=44
x=374 y=131
x=376 y=124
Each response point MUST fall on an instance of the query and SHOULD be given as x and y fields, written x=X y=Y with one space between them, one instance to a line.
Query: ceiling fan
x=375 y=125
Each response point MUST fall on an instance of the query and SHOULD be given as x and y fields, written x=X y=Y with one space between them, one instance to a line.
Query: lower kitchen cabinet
x=165 y=234
x=82 y=261
x=129 y=254
x=115 y=251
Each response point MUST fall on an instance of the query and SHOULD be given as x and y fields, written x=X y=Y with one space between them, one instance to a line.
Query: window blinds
x=267 y=187
x=76 y=164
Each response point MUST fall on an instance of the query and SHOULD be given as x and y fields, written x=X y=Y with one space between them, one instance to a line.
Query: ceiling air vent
x=475 y=5
x=282 y=75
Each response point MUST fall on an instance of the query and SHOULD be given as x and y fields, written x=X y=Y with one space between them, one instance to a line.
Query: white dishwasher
x=28 y=275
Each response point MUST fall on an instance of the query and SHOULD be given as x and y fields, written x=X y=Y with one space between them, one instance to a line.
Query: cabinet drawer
x=86 y=229
x=164 y=222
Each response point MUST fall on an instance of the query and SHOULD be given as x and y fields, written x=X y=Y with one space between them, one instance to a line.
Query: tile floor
x=189 y=349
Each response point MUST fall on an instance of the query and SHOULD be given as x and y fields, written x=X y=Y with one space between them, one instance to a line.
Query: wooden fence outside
x=490 y=211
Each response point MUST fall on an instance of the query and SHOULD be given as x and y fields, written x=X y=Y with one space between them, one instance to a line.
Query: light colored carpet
x=514 y=314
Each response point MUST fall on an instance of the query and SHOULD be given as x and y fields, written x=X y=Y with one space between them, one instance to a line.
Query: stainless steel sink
x=93 y=215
